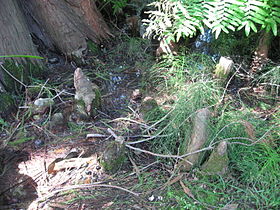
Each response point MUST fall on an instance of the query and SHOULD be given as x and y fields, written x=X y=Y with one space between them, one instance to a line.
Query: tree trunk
x=261 y=53
x=14 y=35
x=68 y=23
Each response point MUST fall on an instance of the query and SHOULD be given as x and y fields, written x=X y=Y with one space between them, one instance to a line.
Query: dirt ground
x=60 y=168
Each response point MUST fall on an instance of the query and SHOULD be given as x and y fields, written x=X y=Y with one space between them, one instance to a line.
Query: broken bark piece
x=60 y=164
x=88 y=97
x=198 y=139
x=217 y=164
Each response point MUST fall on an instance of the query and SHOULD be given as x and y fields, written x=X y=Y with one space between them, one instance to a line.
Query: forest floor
x=28 y=182
x=59 y=168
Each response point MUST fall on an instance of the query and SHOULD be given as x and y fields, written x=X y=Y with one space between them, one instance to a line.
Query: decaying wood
x=72 y=163
x=14 y=33
x=69 y=23
x=198 y=138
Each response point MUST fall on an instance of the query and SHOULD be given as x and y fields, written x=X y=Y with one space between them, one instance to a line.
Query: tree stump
x=198 y=139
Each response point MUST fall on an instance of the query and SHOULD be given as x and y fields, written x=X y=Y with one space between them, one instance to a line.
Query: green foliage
x=117 y=5
x=271 y=79
x=234 y=44
x=254 y=169
x=174 y=71
x=20 y=141
x=177 y=124
x=185 y=18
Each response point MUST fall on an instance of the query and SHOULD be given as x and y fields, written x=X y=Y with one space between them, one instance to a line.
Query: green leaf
x=253 y=27
x=21 y=56
x=274 y=27
x=247 y=29
x=217 y=32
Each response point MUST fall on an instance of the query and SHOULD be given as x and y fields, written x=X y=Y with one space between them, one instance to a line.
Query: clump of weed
x=270 y=78
x=254 y=162
x=132 y=50
x=233 y=43
x=174 y=71
x=177 y=124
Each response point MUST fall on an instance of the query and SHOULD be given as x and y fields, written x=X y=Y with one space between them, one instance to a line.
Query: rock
x=41 y=105
x=43 y=102
x=113 y=157
x=53 y=60
x=88 y=96
x=198 y=138
x=38 y=143
x=217 y=164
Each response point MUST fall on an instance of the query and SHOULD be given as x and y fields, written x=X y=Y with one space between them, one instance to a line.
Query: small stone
x=43 y=102
x=57 y=119
x=151 y=198
x=53 y=60
x=98 y=167
x=57 y=122
x=38 y=142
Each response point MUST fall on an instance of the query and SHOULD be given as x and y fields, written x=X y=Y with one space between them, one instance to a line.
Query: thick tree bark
x=261 y=53
x=14 y=34
x=68 y=23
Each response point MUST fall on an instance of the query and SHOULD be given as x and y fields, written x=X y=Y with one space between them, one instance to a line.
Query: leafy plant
x=271 y=78
x=184 y=18
x=117 y=5
x=174 y=72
